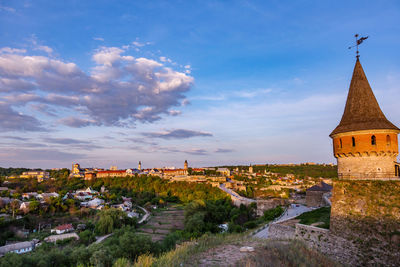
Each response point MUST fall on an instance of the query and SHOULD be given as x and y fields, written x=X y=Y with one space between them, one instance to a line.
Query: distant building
x=113 y=168
x=140 y=166
x=45 y=196
x=111 y=173
x=314 y=194
x=251 y=169
x=177 y=172
x=39 y=175
x=64 y=228
x=224 y=171
x=89 y=175
x=55 y=238
x=19 y=248
x=93 y=204
x=24 y=207
x=76 y=171
x=29 y=195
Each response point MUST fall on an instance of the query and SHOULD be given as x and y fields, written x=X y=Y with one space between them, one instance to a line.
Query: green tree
x=101 y=258
x=122 y=262
x=86 y=237
x=109 y=220
x=34 y=206
x=14 y=206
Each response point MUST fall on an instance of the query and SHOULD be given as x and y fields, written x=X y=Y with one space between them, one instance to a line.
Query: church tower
x=185 y=166
x=365 y=142
x=140 y=166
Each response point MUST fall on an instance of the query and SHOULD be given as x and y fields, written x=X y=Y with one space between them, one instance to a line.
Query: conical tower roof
x=362 y=111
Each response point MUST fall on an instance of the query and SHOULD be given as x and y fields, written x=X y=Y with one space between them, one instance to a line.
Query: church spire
x=362 y=111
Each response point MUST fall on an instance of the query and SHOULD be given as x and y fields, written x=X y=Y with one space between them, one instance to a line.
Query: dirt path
x=226 y=255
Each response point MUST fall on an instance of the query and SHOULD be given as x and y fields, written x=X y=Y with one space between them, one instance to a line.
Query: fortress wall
x=279 y=231
x=367 y=212
x=368 y=165
x=337 y=248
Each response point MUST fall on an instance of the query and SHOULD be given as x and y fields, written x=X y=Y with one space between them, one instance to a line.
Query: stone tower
x=251 y=169
x=185 y=166
x=365 y=198
x=365 y=142
x=140 y=166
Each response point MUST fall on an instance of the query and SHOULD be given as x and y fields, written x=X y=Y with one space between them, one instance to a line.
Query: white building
x=64 y=228
x=19 y=248
x=224 y=171
x=45 y=196
x=55 y=238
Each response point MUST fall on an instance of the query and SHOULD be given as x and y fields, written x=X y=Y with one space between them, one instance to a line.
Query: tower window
x=353 y=141
x=373 y=140
x=340 y=141
x=388 y=140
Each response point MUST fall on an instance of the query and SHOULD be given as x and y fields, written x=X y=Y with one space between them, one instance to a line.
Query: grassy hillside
x=223 y=250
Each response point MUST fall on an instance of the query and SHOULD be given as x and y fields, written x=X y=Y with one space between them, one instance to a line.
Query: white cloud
x=98 y=39
x=119 y=90
x=8 y=9
x=12 y=50
x=138 y=44
x=252 y=93
x=44 y=48
x=108 y=55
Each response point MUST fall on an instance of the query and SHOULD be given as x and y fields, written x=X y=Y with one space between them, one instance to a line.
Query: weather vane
x=358 y=42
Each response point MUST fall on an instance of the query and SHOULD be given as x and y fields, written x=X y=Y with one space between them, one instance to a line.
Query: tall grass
x=291 y=254
x=185 y=252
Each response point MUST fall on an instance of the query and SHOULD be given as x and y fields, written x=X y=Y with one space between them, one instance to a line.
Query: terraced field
x=163 y=222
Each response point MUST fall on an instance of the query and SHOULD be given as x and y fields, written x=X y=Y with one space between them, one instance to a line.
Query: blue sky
x=214 y=82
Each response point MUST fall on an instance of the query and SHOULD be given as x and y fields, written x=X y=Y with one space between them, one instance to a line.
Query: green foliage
x=122 y=262
x=144 y=189
x=271 y=214
x=302 y=170
x=12 y=171
x=319 y=215
x=124 y=243
x=111 y=219
x=59 y=174
x=206 y=216
x=86 y=237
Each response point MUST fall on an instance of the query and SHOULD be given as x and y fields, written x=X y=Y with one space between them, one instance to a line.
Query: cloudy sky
x=214 y=82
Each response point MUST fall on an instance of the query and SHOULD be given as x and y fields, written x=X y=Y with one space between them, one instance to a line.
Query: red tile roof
x=64 y=227
x=111 y=172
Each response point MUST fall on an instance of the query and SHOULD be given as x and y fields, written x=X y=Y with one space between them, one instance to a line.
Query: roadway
x=146 y=215
x=144 y=218
x=235 y=195
x=293 y=211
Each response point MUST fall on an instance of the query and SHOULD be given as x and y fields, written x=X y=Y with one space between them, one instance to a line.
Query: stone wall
x=314 y=198
x=263 y=205
x=279 y=231
x=337 y=248
x=368 y=213
x=372 y=165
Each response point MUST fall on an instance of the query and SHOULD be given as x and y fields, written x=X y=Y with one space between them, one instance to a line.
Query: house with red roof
x=64 y=228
